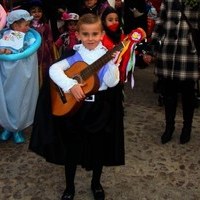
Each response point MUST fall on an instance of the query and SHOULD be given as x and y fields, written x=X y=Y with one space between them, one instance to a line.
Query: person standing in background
x=135 y=15
x=51 y=10
x=40 y=24
x=177 y=64
x=68 y=39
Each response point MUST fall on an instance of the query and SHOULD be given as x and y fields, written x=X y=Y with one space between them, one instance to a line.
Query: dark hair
x=33 y=4
x=18 y=22
x=116 y=35
x=89 y=18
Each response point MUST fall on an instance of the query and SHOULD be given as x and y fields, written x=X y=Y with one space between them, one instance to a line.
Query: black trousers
x=171 y=89
x=70 y=172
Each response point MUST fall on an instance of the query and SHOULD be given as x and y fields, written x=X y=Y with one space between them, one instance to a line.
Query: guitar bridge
x=62 y=95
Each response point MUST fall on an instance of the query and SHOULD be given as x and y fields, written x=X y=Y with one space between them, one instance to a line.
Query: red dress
x=109 y=44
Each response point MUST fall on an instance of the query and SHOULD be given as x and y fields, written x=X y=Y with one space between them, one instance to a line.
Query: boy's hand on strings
x=115 y=56
x=77 y=92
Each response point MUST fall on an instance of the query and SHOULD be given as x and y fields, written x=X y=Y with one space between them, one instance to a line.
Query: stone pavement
x=152 y=171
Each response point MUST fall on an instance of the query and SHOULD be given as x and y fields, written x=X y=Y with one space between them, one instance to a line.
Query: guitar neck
x=98 y=64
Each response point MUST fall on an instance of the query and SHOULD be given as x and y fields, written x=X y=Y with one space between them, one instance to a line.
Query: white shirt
x=110 y=78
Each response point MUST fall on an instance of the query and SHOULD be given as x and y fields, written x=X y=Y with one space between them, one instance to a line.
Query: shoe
x=5 y=135
x=167 y=135
x=67 y=195
x=98 y=192
x=18 y=137
x=185 y=135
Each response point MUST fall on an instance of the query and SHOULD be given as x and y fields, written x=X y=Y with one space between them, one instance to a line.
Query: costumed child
x=68 y=39
x=84 y=137
x=18 y=77
x=113 y=36
x=16 y=38
x=46 y=54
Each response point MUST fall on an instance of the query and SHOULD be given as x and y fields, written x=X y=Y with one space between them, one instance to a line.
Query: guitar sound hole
x=78 y=78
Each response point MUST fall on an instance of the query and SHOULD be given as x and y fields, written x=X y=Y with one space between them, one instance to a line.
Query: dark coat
x=176 y=58
x=131 y=22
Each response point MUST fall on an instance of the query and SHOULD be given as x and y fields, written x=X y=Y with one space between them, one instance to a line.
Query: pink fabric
x=59 y=42
x=72 y=39
x=2 y=17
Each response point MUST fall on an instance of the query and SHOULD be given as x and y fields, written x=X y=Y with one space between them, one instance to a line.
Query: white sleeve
x=111 y=77
x=56 y=73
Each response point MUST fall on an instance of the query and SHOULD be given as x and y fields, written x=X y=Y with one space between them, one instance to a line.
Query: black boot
x=185 y=135
x=70 y=171
x=68 y=195
x=97 y=191
x=188 y=104
x=96 y=187
x=167 y=135
x=170 y=103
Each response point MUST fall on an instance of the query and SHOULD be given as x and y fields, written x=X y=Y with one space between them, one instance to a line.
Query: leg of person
x=70 y=171
x=96 y=186
x=170 y=88
x=188 y=104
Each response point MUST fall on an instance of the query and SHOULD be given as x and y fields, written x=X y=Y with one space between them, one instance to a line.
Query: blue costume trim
x=77 y=57
x=101 y=72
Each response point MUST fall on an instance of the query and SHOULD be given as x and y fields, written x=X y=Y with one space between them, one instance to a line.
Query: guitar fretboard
x=94 y=67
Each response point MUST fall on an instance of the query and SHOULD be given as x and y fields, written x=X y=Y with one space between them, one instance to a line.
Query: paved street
x=152 y=171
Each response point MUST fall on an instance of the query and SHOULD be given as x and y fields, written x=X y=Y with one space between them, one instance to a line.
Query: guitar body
x=60 y=108
x=65 y=103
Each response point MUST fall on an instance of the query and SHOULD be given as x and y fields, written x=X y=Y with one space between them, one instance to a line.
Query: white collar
x=81 y=47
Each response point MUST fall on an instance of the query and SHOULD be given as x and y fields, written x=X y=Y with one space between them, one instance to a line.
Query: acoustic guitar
x=65 y=103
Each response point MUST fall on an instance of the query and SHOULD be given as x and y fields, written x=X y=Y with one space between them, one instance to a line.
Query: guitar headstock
x=137 y=35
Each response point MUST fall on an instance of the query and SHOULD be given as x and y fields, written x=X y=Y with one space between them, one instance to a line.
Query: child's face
x=36 y=12
x=111 y=19
x=90 y=35
x=71 y=25
x=90 y=3
x=22 y=26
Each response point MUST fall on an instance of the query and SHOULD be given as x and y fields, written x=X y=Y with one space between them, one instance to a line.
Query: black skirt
x=93 y=135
